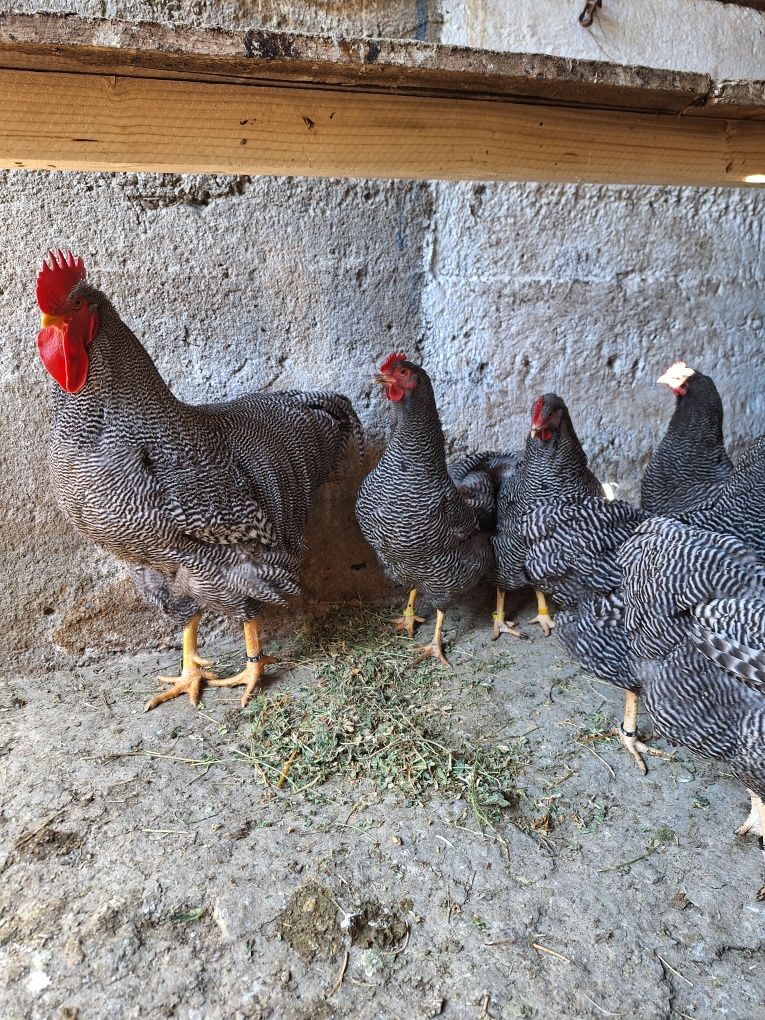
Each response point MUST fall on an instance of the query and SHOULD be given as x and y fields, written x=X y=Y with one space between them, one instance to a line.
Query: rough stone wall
x=232 y=283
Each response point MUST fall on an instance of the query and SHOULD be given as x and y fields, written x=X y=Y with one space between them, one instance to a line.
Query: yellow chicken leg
x=408 y=619
x=257 y=661
x=502 y=626
x=628 y=735
x=543 y=617
x=193 y=672
x=435 y=649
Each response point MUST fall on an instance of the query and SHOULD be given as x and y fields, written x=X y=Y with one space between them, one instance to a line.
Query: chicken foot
x=755 y=820
x=755 y=823
x=435 y=649
x=407 y=620
x=257 y=661
x=543 y=617
x=502 y=626
x=628 y=735
x=193 y=671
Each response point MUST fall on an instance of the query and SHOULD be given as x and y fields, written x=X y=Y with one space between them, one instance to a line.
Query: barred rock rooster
x=553 y=467
x=690 y=463
x=206 y=504
x=695 y=615
x=424 y=532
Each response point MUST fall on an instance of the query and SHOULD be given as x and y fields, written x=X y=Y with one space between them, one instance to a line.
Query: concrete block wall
x=501 y=290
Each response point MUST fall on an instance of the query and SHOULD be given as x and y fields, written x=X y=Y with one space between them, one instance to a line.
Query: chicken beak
x=381 y=380
x=50 y=320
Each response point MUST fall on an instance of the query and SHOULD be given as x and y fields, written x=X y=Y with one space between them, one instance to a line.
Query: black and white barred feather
x=695 y=614
x=552 y=470
x=737 y=507
x=573 y=555
x=479 y=478
x=206 y=504
x=690 y=463
x=424 y=531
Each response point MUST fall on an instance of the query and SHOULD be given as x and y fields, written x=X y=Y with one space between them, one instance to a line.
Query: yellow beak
x=50 y=320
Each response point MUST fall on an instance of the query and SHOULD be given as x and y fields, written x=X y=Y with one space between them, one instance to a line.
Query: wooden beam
x=51 y=42
x=52 y=120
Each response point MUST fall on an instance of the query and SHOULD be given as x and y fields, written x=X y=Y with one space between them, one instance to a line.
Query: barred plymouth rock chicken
x=690 y=463
x=737 y=506
x=206 y=504
x=695 y=614
x=425 y=533
x=554 y=467
x=572 y=552
x=560 y=533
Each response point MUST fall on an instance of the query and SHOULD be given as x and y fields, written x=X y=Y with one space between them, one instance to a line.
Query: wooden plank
x=63 y=121
x=57 y=43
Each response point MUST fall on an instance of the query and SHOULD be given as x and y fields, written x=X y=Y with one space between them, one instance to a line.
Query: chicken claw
x=249 y=677
x=193 y=671
x=755 y=820
x=408 y=619
x=543 y=617
x=501 y=625
x=435 y=649
x=628 y=736
x=257 y=661
x=406 y=623
x=189 y=682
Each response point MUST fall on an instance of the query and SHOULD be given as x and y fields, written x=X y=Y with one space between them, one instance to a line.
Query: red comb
x=56 y=280
x=536 y=414
x=390 y=361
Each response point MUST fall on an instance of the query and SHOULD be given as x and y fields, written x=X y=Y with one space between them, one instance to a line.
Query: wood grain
x=96 y=122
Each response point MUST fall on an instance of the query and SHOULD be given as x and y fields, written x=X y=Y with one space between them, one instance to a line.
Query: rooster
x=690 y=463
x=695 y=617
x=424 y=531
x=207 y=504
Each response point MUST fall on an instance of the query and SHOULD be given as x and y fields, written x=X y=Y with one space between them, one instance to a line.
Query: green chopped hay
x=370 y=715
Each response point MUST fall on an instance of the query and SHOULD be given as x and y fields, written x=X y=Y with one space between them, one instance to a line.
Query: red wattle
x=64 y=357
x=394 y=392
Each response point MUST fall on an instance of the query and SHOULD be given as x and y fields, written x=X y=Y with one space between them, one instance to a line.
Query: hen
x=553 y=467
x=425 y=533
x=737 y=506
x=690 y=463
x=695 y=615
x=206 y=504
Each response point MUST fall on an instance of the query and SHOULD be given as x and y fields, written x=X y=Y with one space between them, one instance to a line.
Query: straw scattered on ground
x=369 y=714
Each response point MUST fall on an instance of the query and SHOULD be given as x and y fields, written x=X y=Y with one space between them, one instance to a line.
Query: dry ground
x=148 y=872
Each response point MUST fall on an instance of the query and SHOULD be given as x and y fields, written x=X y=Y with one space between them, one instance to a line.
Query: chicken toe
x=406 y=622
x=628 y=735
x=501 y=625
x=543 y=617
x=254 y=670
x=754 y=820
x=435 y=649
x=193 y=672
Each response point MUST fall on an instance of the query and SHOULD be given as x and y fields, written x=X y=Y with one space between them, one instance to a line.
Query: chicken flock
x=207 y=506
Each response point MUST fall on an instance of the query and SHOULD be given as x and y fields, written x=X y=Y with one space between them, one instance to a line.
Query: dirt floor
x=149 y=871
